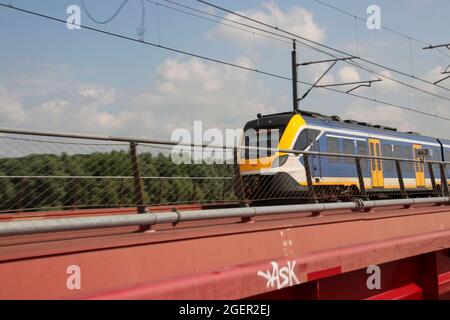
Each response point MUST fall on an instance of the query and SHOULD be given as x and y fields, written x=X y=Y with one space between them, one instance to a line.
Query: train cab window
x=349 y=148
x=333 y=147
x=407 y=154
x=251 y=140
x=362 y=151
x=306 y=138
x=268 y=138
x=262 y=138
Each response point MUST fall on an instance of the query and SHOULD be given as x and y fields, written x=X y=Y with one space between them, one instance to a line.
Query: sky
x=56 y=79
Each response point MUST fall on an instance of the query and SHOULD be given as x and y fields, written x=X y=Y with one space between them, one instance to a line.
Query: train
x=268 y=174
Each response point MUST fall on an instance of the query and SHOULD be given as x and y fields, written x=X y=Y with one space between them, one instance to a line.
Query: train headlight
x=280 y=161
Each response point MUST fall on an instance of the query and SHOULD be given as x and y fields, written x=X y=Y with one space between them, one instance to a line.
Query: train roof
x=337 y=122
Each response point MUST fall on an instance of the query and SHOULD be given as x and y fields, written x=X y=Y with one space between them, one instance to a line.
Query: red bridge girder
x=295 y=256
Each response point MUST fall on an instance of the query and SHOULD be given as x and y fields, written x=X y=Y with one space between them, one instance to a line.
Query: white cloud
x=434 y=74
x=295 y=19
x=184 y=91
x=193 y=90
x=387 y=84
x=349 y=74
x=104 y=96
x=11 y=110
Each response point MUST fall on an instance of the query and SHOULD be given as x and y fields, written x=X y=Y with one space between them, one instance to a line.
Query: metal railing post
x=400 y=178
x=432 y=177
x=308 y=175
x=444 y=183
x=239 y=183
x=362 y=186
x=138 y=186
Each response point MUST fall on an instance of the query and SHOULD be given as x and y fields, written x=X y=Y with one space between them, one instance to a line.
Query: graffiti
x=280 y=277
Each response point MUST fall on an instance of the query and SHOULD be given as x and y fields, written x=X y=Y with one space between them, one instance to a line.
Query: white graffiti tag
x=280 y=277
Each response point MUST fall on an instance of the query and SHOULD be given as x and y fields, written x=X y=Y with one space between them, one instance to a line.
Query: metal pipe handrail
x=194 y=145
x=114 y=177
x=16 y=228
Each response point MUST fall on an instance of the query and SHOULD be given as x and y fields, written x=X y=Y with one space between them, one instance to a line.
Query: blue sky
x=53 y=78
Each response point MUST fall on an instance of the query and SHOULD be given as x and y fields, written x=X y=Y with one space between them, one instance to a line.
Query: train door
x=316 y=163
x=419 y=168
x=376 y=165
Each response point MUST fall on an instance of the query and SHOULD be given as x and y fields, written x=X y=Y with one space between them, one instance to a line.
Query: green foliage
x=36 y=193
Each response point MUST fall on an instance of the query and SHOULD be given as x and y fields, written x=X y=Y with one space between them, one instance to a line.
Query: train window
x=268 y=138
x=349 y=148
x=362 y=151
x=397 y=153
x=306 y=138
x=333 y=147
x=407 y=154
x=447 y=155
x=372 y=152
x=251 y=140
x=387 y=153
x=262 y=138
x=437 y=155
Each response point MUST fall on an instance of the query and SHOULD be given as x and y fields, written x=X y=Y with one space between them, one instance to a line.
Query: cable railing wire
x=145 y=175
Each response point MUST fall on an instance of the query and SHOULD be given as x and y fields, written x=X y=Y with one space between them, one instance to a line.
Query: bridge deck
x=289 y=256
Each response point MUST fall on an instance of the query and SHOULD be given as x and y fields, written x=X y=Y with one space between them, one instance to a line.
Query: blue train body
x=315 y=132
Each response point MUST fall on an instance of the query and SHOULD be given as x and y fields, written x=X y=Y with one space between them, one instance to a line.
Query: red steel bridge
x=72 y=226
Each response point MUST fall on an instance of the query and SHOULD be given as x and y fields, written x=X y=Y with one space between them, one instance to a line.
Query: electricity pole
x=294 y=77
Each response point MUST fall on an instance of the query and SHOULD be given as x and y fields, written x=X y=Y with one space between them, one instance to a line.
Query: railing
x=334 y=177
x=48 y=171
x=42 y=171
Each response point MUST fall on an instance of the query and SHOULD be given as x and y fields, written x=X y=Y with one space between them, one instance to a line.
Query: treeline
x=28 y=190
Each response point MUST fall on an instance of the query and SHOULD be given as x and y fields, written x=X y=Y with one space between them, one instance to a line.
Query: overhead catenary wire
x=141 y=31
x=353 y=63
x=115 y=14
x=297 y=37
x=158 y=23
x=356 y=37
x=279 y=39
x=167 y=48
x=226 y=63
x=382 y=26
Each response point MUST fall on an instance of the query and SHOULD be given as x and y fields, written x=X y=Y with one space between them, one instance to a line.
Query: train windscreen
x=262 y=138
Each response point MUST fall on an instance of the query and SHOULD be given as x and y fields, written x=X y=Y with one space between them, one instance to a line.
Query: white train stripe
x=347 y=138
x=374 y=136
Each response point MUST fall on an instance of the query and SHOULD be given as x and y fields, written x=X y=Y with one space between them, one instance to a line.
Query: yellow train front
x=277 y=175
